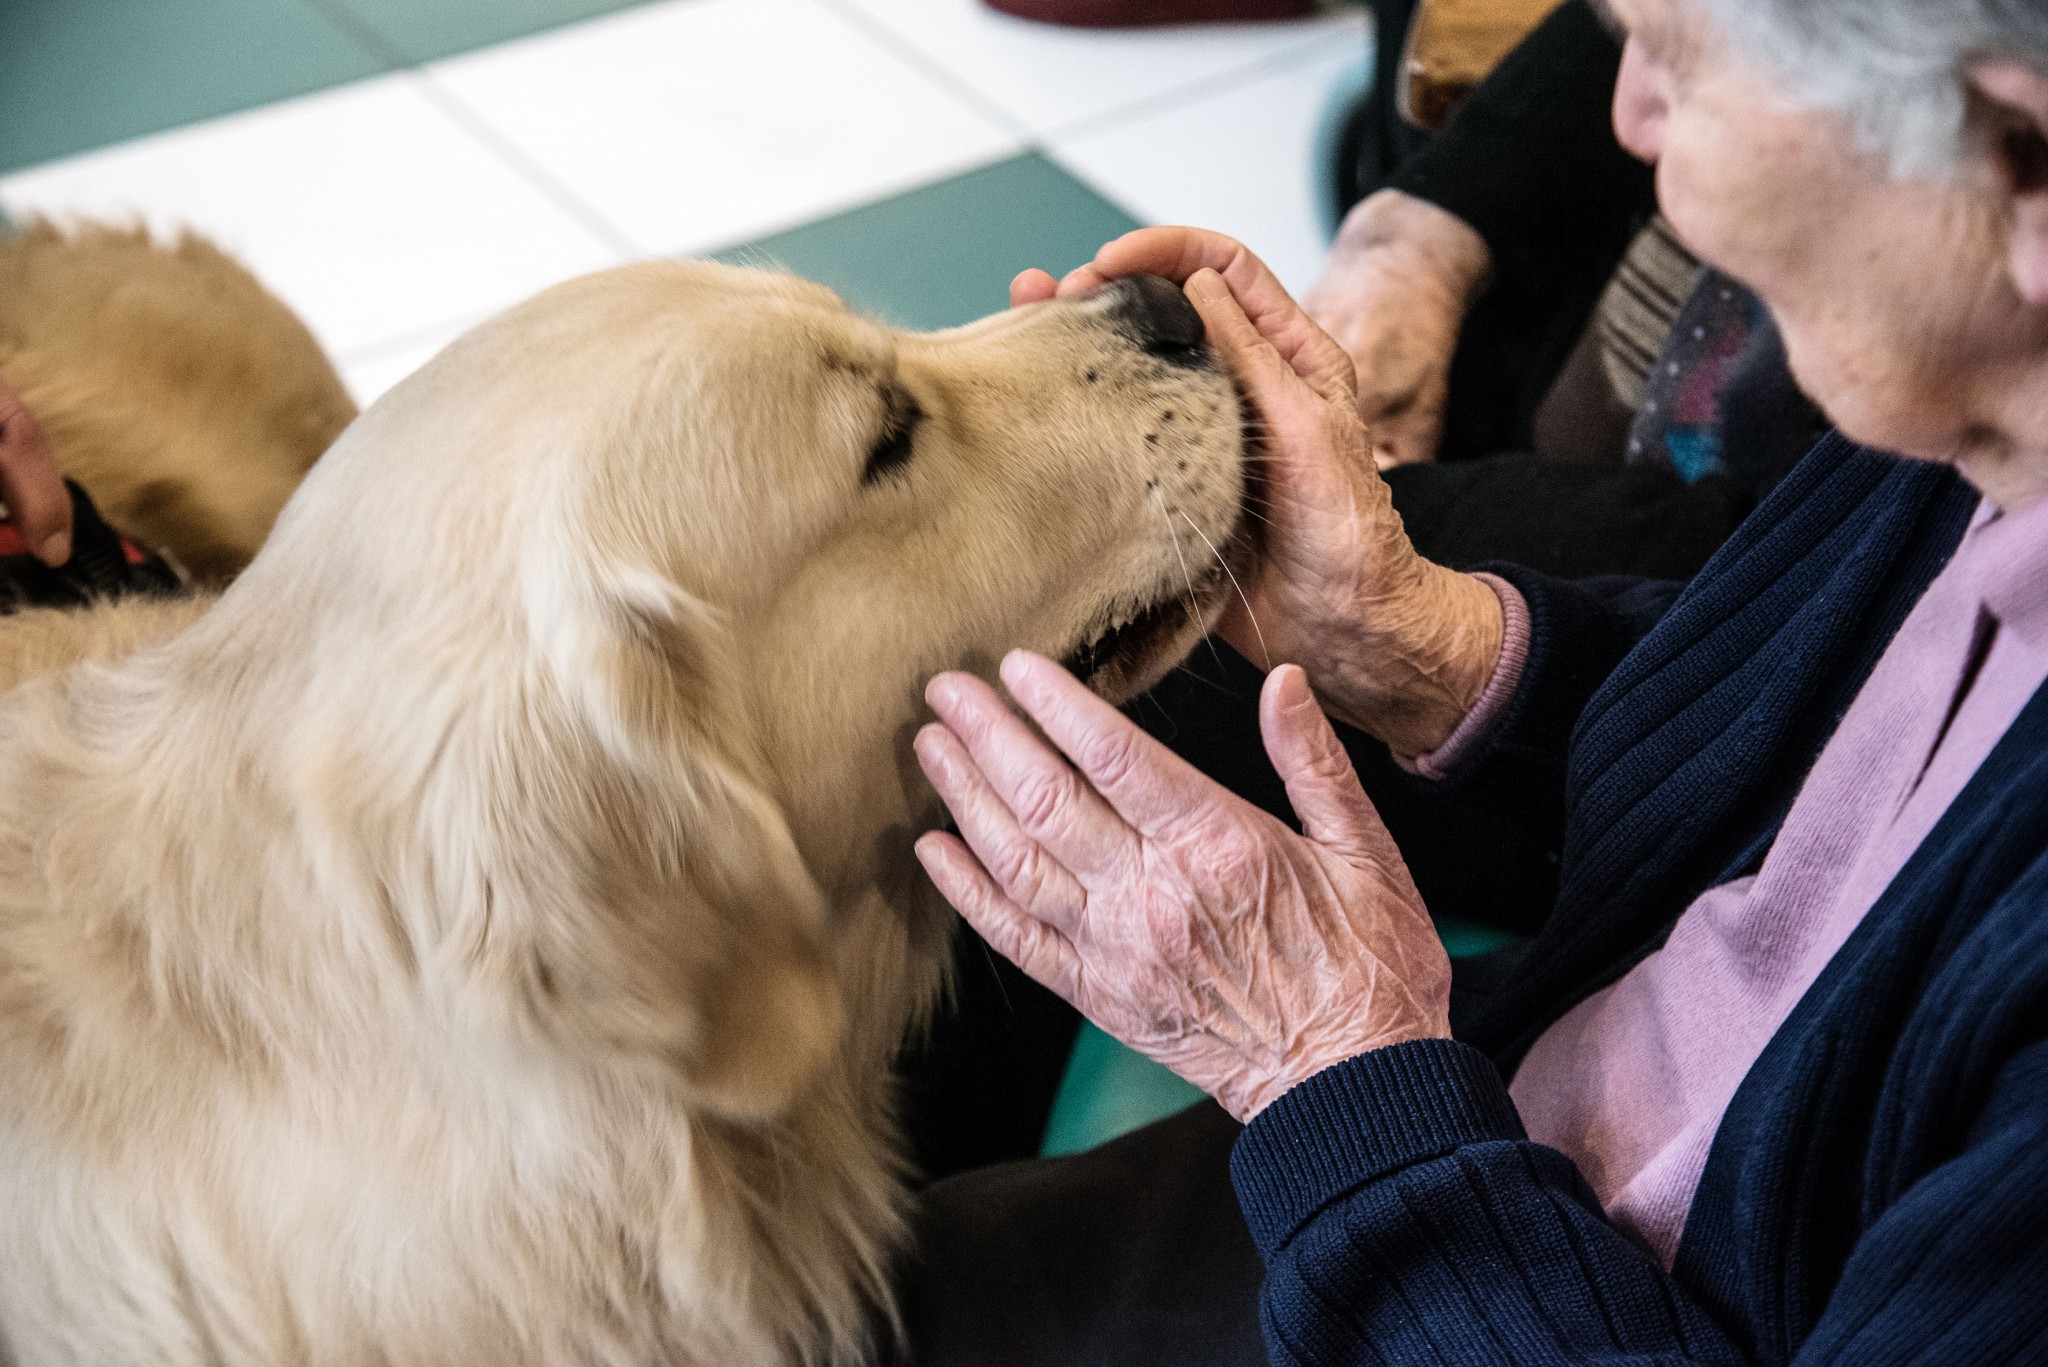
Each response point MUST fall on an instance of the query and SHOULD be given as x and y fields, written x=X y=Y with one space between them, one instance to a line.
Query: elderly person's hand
x=1401 y=277
x=1392 y=643
x=38 y=506
x=1181 y=919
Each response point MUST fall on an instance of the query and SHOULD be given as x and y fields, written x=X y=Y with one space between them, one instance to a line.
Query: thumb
x=1321 y=784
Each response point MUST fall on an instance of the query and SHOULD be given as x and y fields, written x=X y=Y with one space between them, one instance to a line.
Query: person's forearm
x=1421 y=242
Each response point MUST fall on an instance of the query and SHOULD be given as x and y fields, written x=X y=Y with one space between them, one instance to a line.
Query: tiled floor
x=398 y=169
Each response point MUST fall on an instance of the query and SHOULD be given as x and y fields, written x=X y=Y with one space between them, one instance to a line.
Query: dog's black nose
x=1160 y=318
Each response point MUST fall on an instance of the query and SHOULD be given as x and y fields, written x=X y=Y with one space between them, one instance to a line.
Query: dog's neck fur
x=391 y=909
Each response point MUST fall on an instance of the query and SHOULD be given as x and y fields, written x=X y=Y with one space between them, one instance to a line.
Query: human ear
x=2016 y=97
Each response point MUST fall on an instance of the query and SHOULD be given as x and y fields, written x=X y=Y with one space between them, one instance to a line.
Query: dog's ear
x=690 y=931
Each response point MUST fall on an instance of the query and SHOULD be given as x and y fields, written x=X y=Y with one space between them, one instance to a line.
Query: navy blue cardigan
x=1878 y=1190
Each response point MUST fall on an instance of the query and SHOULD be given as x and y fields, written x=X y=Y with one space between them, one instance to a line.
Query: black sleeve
x=1531 y=161
x=1579 y=630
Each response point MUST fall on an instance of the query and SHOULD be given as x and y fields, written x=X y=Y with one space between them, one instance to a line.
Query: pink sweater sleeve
x=1479 y=722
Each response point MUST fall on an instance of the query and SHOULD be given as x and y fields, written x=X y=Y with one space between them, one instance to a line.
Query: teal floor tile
x=84 y=73
x=428 y=30
x=943 y=255
x=1110 y=1090
x=1466 y=939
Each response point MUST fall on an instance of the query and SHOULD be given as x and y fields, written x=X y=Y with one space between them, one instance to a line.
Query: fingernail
x=56 y=550
x=941 y=692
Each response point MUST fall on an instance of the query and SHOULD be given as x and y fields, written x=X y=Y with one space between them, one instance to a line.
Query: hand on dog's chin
x=1188 y=924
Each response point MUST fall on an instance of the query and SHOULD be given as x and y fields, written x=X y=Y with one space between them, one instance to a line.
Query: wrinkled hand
x=1182 y=920
x=1392 y=643
x=38 y=505
x=1400 y=279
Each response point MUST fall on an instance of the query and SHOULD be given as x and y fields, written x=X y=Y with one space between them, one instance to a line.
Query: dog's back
x=41 y=641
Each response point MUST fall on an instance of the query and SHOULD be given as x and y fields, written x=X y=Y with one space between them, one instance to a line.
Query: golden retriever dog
x=187 y=399
x=482 y=933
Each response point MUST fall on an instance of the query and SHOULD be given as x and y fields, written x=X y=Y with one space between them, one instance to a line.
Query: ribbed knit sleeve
x=1578 y=631
x=1403 y=1219
x=1356 y=1122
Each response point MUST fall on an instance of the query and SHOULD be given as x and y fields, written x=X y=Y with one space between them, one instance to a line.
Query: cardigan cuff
x=1471 y=734
x=1359 y=1121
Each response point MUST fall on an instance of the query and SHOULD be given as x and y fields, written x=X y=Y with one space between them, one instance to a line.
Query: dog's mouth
x=1126 y=649
x=1122 y=647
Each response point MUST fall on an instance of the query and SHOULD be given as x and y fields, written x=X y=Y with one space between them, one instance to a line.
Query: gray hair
x=1894 y=66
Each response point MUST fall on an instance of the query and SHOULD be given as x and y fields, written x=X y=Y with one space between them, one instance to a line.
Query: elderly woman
x=1772 y=1085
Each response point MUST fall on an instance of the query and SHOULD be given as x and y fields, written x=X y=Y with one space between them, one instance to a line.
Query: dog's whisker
x=1187 y=577
x=1253 y=617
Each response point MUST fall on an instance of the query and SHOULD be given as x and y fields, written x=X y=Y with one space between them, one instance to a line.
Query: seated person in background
x=1513 y=308
x=1769 y=1084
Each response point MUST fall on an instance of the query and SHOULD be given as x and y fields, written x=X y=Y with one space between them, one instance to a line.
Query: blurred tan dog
x=187 y=400
x=482 y=934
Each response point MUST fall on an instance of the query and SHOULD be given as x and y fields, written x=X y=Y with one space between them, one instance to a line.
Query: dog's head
x=719 y=531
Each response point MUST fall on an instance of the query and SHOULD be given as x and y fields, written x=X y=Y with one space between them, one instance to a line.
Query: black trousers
x=1131 y=1254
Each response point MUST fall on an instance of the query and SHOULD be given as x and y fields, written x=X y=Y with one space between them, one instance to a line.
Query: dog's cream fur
x=185 y=397
x=482 y=934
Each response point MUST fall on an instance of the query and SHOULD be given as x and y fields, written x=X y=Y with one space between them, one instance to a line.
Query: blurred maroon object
x=1147 y=13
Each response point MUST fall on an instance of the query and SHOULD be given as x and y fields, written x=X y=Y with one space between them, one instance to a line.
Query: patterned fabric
x=1678 y=424
x=1639 y=308
x=104 y=564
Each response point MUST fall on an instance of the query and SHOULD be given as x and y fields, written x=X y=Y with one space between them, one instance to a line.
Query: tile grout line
x=932 y=70
x=1034 y=141
x=393 y=344
x=481 y=130
x=1195 y=92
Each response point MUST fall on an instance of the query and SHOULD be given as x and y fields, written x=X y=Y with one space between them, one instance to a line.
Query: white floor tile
x=1052 y=80
x=367 y=208
x=369 y=372
x=694 y=124
x=1241 y=162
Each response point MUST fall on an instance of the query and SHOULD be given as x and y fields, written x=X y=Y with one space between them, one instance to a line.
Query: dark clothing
x=1531 y=163
x=1128 y=1254
x=103 y=564
x=1570 y=521
x=1878 y=1189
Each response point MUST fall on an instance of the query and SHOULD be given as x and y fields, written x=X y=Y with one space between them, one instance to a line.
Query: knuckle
x=1111 y=757
x=1043 y=798
x=1024 y=871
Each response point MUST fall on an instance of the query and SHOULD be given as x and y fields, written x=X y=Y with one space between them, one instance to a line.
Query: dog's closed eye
x=892 y=450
